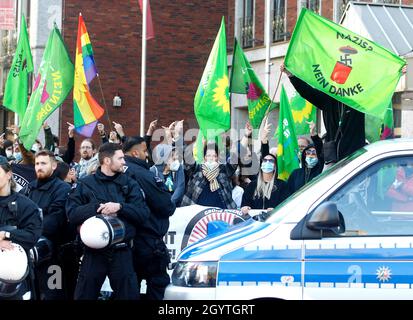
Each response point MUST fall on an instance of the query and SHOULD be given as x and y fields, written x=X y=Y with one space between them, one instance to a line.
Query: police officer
x=111 y=193
x=50 y=194
x=20 y=219
x=150 y=252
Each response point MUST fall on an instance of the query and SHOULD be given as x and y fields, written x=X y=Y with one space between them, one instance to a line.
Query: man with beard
x=111 y=193
x=50 y=194
x=88 y=158
x=150 y=252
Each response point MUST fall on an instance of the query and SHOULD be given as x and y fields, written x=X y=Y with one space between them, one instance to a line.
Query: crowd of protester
x=122 y=177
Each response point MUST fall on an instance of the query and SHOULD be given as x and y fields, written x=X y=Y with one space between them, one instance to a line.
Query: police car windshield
x=277 y=215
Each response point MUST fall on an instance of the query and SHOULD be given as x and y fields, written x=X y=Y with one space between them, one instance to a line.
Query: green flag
x=302 y=111
x=387 y=131
x=15 y=92
x=211 y=103
x=342 y=64
x=287 y=150
x=377 y=129
x=53 y=83
x=245 y=81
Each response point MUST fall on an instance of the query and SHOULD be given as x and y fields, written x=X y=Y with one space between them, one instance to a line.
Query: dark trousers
x=117 y=265
x=50 y=280
x=151 y=259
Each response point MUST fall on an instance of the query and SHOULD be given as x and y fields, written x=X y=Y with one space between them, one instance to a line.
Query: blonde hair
x=263 y=188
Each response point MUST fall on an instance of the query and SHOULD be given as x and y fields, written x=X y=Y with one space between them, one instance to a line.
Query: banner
x=342 y=64
x=53 y=83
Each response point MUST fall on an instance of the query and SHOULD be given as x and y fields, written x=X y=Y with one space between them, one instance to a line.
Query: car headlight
x=195 y=274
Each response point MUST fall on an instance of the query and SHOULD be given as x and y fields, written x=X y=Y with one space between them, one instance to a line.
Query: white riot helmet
x=13 y=270
x=99 y=232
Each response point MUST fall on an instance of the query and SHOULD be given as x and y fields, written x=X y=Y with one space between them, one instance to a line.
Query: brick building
x=184 y=35
x=176 y=57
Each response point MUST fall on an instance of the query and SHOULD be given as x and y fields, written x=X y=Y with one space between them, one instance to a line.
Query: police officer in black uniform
x=109 y=192
x=150 y=252
x=50 y=194
x=20 y=218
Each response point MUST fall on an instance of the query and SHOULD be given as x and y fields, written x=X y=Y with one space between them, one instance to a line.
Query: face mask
x=311 y=162
x=9 y=153
x=267 y=167
x=211 y=164
x=174 y=166
x=18 y=156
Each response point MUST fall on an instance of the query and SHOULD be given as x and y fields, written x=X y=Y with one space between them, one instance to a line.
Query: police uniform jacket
x=51 y=197
x=91 y=191
x=157 y=198
x=21 y=217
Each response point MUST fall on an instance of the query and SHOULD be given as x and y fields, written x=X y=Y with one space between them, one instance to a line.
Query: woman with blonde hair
x=267 y=191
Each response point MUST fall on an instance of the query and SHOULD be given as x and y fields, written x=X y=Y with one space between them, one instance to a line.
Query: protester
x=267 y=192
x=344 y=125
x=168 y=168
x=312 y=166
x=210 y=184
x=88 y=158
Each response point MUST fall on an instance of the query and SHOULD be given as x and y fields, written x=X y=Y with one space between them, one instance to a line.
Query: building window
x=313 y=5
x=388 y=1
x=278 y=21
x=247 y=24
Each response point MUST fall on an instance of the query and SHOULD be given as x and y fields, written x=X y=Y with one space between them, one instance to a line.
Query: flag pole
x=143 y=67
x=104 y=103
x=273 y=97
x=267 y=45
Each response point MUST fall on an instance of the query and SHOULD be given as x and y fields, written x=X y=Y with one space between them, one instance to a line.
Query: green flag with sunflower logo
x=211 y=103
x=287 y=149
x=245 y=81
x=303 y=112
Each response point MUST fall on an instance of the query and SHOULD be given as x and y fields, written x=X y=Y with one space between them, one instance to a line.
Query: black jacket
x=157 y=198
x=352 y=127
x=278 y=195
x=51 y=198
x=22 y=219
x=301 y=176
x=98 y=188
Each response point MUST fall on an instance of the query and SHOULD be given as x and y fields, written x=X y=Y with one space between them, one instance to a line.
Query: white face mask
x=174 y=166
x=9 y=153
x=211 y=164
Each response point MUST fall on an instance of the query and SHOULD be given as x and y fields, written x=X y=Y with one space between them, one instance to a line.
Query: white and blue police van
x=348 y=234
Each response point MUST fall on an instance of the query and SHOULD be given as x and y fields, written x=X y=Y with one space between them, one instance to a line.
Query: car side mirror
x=325 y=217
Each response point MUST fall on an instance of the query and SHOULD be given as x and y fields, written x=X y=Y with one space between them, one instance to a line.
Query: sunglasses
x=268 y=160
x=310 y=152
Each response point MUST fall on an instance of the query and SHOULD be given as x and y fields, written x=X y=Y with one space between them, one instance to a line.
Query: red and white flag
x=149 y=26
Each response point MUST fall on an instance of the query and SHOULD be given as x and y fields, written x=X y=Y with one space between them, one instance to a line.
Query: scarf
x=211 y=175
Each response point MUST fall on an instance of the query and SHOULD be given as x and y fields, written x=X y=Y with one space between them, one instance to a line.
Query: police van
x=348 y=234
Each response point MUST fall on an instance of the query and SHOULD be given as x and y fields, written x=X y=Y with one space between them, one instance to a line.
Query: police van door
x=372 y=257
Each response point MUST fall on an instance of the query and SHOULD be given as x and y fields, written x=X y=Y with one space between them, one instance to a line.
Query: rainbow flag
x=86 y=110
